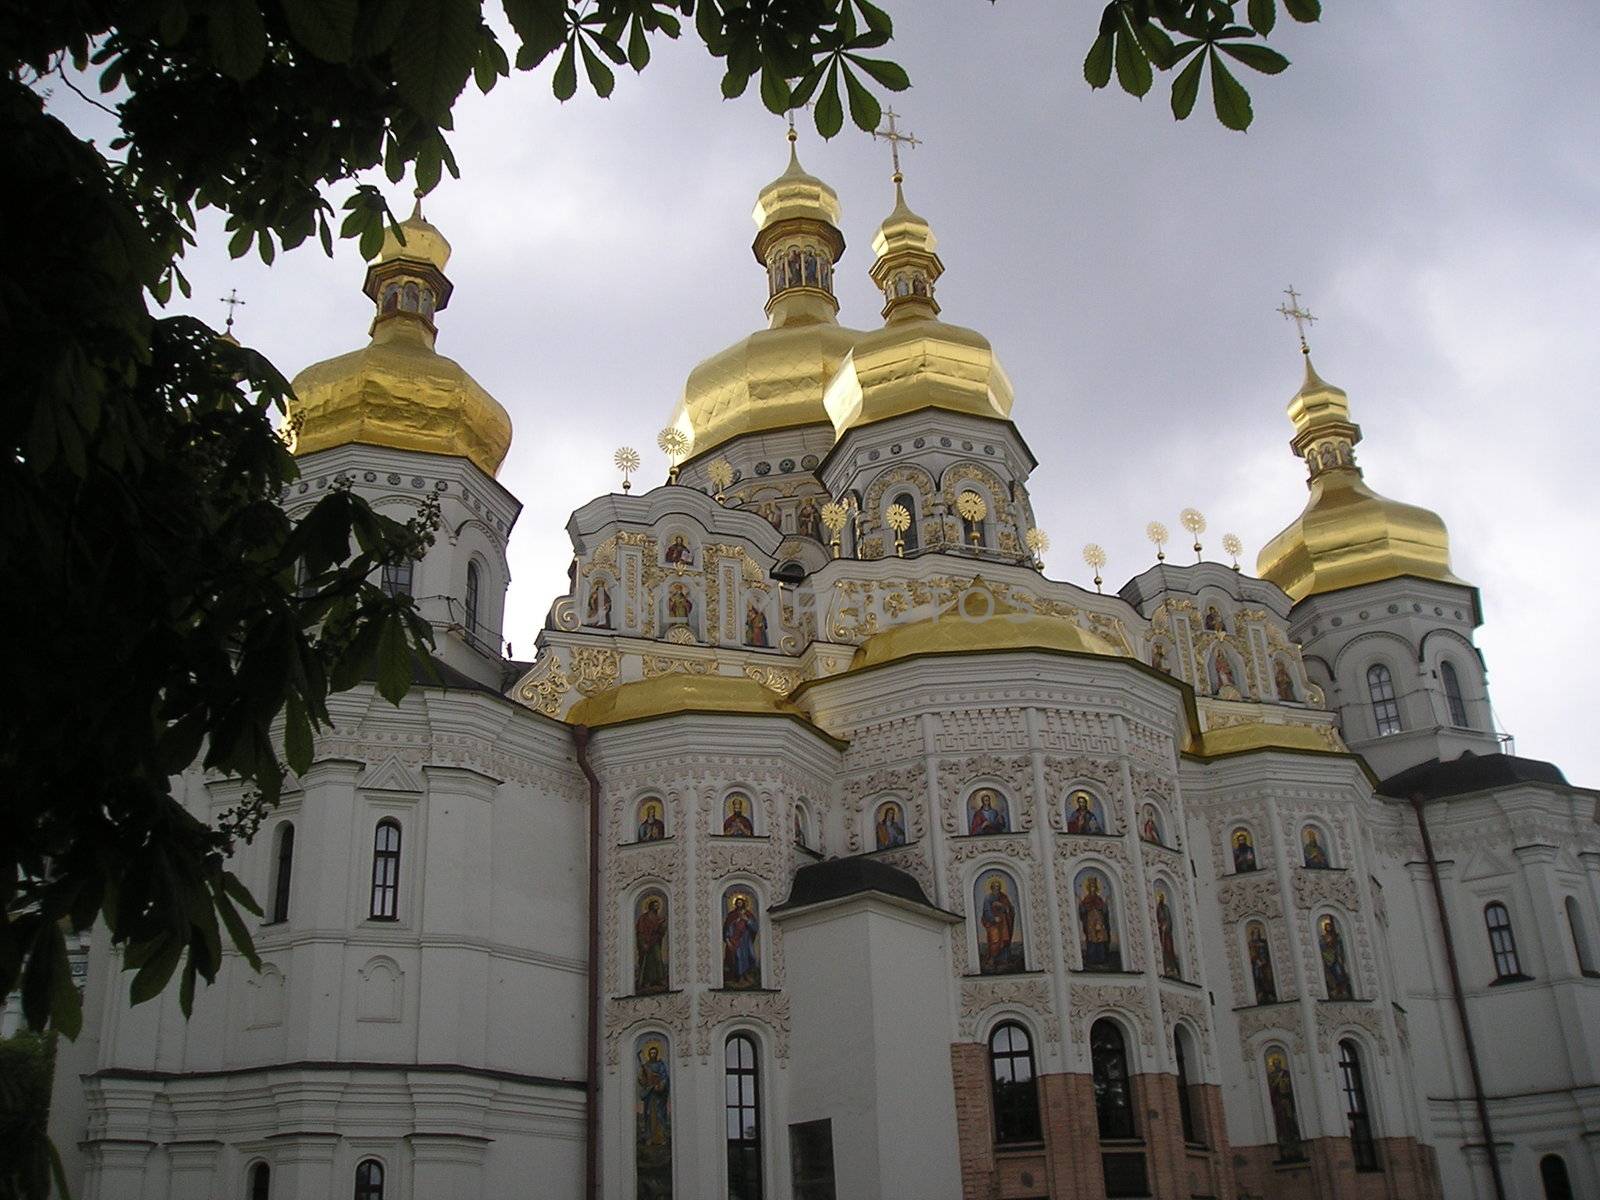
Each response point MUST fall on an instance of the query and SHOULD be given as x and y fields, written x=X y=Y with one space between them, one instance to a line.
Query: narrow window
x=369 y=1180
x=909 y=502
x=1385 y=709
x=472 y=600
x=397 y=577
x=386 y=870
x=1580 y=936
x=260 y=1182
x=1015 y=1093
x=811 y=1172
x=1452 y=696
x=1553 y=1174
x=1355 y=1107
x=1187 y=1107
x=743 y=1109
x=1113 y=1100
x=1502 y=942
x=283 y=872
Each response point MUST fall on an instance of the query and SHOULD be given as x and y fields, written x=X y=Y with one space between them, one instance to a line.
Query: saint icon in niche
x=650 y=944
x=891 y=827
x=741 y=940
x=1158 y=657
x=1222 y=675
x=1244 y=851
x=1282 y=681
x=1213 y=620
x=1315 y=854
x=795 y=273
x=1281 y=1088
x=799 y=826
x=680 y=606
x=1150 y=825
x=1335 y=968
x=1169 y=942
x=999 y=938
x=651 y=827
x=987 y=812
x=811 y=268
x=755 y=626
x=1266 y=984
x=1097 y=925
x=1083 y=813
x=770 y=513
x=653 y=1120
x=809 y=519
x=736 y=820
x=679 y=551
x=599 y=615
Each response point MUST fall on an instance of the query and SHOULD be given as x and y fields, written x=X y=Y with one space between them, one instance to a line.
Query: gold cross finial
x=894 y=137
x=1300 y=316
x=232 y=301
x=808 y=106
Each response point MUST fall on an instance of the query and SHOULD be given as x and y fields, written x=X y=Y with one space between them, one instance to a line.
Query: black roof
x=1469 y=773
x=835 y=878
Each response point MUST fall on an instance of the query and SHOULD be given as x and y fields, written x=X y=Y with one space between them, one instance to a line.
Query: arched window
x=743 y=1111
x=1502 y=942
x=1013 y=1087
x=369 y=1180
x=1452 y=696
x=1189 y=1105
x=909 y=502
x=397 y=577
x=1356 y=1112
x=1553 y=1174
x=1580 y=936
x=260 y=1182
x=472 y=600
x=386 y=870
x=283 y=871
x=1113 y=1096
x=1385 y=708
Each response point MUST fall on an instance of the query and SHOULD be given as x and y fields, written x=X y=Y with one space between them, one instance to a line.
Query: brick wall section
x=1217 y=1168
x=1176 y=1169
x=969 y=1065
x=1409 y=1172
x=1072 y=1137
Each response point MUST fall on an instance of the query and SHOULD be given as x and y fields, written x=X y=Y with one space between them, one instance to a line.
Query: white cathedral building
x=828 y=848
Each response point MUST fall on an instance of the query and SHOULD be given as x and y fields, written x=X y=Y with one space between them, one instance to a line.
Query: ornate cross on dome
x=232 y=301
x=1300 y=316
x=894 y=137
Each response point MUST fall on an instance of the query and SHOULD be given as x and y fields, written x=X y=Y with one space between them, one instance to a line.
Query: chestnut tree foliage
x=160 y=607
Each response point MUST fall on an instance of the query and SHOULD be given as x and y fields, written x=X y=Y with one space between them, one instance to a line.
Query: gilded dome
x=397 y=391
x=676 y=694
x=796 y=194
x=1348 y=534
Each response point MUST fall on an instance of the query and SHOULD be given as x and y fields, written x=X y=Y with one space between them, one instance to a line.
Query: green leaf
x=565 y=81
x=238 y=38
x=601 y=77
x=883 y=72
x=237 y=932
x=236 y=890
x=394 y=660
x=1263 y=15
x=324 y=27
x=638 y=46
x=877 y=20
x=865 y=110
x=296 y=735
x=433 y=55
x=377 y=25
x=829 y=111
x=1186 y=87
x=1228 y=96
x=774 y=90
x=164 y=951
x=1257 y=58
x=1304 y=11
x=1133 y=67
x=1097 y=65
x=492 y=64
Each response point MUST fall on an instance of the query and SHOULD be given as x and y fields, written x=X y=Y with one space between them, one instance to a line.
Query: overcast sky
x=1425 y=175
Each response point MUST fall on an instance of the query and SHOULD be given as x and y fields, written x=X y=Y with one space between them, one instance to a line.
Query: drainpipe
x=591 y=1087
x=1478 y=1097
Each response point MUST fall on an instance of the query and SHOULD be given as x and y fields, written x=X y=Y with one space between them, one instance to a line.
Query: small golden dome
x=1348 y=535
x=398 y=391
x=796 y=195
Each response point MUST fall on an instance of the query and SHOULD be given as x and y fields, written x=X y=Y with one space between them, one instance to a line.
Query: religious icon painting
x=987 y=812
x=1314 y=848
x=651 y=826
x=800 y=838
x=1150 y=825
x=1098 y=938
x=1280 y=1091
x=679 y=551
x=1335 y=964
x=1223 y=674
x=890 y=825
x=1166 y=934
x=652 y=1145
x=598 y=612
x=1260 y=953
x=680 y=606
x=1282 y=682
x=1085 y=814
x=650 y=944
x=1213 y=621
x=1244 y=850
x=741 y=939
x=755 y=625
x=737 y=820
x=998 y=904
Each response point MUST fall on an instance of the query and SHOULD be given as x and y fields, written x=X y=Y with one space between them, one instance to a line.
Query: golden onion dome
x=397 y=391
x=915 y=361
x=774 y=378
x=1348 y=535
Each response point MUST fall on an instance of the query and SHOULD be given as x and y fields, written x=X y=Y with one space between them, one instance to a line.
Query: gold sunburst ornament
x=899 y=519
x=1157 y=533
x=674 y=444
x=1038 y=541
x=973 y=509
x=721 y=475
x=627 y=460
x=1195 y=522
x=1233 y=547
x=834 y=515
x=1095 y=556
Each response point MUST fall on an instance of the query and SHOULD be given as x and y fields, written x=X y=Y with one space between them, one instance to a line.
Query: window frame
x=1189 y=1115
x=1114 y=1114
x=1357 y=1111
x=911 y=536
x=472 y=599
x=1455 y=703
x=369 y=1188
x=258 y=1180
x=1015 y=1122
x=1383 y=699
x=282 y=872
x=744 y=1153
x=398 y=579
x=1502 y=941
x=1579 y=931
x=385 y=882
